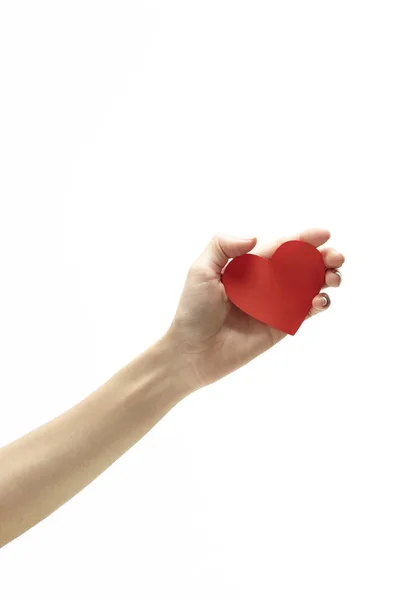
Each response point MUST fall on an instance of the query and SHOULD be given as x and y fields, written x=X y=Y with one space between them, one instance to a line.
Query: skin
x=208 y=338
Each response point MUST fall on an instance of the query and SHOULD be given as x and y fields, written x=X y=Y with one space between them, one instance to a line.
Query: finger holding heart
x=281 y=287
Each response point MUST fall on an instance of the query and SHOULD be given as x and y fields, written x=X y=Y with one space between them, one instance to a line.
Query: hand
x=214 y=336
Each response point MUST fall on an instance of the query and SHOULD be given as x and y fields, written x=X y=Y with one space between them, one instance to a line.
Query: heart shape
x=277 y=291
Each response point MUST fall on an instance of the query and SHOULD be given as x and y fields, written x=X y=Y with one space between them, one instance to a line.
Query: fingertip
x=342 y=258
x=321 y=302
x=320 y=231
x=325 y=234
x=333 y=278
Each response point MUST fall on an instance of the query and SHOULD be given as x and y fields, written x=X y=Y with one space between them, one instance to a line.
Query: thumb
x=221 y=248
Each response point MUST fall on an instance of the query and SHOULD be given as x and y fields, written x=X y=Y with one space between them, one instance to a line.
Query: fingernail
x=338 y=273
x=325 y=300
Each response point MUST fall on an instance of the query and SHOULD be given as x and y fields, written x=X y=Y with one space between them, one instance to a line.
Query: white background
x=130 y=132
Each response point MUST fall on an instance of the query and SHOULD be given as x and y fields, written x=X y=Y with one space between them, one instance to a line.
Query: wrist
x=177 y=370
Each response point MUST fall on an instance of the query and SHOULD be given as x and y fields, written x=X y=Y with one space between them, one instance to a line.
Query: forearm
x=42 y=470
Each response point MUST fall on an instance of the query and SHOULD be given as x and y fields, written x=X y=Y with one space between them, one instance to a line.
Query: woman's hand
x=212 y=334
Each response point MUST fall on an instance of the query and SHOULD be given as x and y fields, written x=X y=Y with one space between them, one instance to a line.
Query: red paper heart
x=279 y=291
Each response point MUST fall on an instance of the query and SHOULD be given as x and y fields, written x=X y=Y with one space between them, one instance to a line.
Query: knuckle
x=196 y=270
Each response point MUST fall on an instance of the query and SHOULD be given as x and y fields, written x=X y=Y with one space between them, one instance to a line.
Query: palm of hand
x=218 y=337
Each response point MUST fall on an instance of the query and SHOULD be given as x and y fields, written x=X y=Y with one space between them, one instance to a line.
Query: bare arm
x=208 y=339
x=42 y=470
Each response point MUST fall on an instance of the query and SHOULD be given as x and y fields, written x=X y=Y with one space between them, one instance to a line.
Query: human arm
x=45 y=468
x=208 y=338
